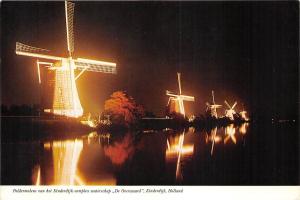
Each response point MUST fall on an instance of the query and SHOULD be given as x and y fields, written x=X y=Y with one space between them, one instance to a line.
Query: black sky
x=245 y=51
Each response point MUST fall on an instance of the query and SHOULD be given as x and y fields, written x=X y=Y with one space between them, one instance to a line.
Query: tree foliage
x=122 y=109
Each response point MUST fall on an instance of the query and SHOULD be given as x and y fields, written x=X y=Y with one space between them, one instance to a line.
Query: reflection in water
x=104 y=138
x=93 y=163
x=230 y=134
x=36 y=175
x=120 y=151
x=91 y=159
x=214 y=138
x=243 y=128
x=65 y=158
x=177 y=149
x=91 y=136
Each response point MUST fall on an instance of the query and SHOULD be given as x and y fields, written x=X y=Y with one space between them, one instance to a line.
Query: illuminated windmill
x=66 y=100
x=175 y=102
x=213 y=107
x=243 y=115
x=230 y=112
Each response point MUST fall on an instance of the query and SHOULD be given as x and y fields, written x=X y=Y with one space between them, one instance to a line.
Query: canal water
x=248 y=154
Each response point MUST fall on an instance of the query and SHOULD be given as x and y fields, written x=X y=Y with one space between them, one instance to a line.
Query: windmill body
x=230 y=112
x=175 y=103
x=212 y=108
x=67 y=70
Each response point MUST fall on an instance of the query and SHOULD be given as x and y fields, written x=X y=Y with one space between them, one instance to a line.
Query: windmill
x=175 y=102
x=213 y=107
x=66 y=100
x=243 y=115
x=230 y=112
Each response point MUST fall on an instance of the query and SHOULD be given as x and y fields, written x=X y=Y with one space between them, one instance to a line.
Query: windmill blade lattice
x=69 y=9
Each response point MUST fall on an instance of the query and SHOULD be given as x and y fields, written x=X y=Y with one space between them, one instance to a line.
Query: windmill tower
x=175 y=102
x=230 y=112
x=67 y=70
x=213 y=107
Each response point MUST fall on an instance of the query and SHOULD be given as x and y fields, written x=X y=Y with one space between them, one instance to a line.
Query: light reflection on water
x=178 y=150
x=100 y=158
x=230 y=134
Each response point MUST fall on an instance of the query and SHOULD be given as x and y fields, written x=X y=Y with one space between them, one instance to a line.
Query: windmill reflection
x=62 y=160
x=36 y=175
x=230 y=134
x=65 y=157
x=178 y=151
x=213 y=138
x=97 y=158
x=243 y=128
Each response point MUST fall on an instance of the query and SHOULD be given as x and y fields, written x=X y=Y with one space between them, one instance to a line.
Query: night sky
x=243 y=51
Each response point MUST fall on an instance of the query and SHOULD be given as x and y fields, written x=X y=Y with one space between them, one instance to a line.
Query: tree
x=122 y=109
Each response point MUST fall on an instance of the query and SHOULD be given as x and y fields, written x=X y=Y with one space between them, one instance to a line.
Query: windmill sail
x=26 y=50
x=227 y=104
x=187 y=98
x=20 y=47
x=179 y=82
x=235 y=103
x=95 y=66
x=69 y=9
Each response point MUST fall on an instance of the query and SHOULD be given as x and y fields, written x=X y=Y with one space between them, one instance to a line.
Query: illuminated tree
x=122 y=109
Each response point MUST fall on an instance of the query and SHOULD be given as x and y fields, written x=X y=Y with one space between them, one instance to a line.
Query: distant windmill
x=175 y=102
x=66 y=100
x=230 y=112
x=243 y=115
x=213 y=107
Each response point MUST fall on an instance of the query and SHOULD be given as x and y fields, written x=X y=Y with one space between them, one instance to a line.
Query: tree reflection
x=120 y=151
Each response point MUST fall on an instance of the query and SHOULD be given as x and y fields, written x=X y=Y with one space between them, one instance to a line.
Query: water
x=249 y=154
